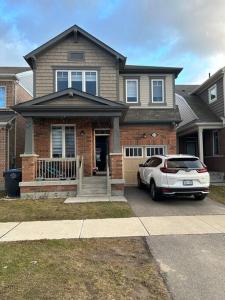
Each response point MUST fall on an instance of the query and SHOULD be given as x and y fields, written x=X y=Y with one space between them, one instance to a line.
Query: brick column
x=117 y=181
x=28 y=167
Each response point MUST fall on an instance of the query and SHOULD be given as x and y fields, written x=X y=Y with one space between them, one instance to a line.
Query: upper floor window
x=212 y=93
x=2 y=96
x=85 y=81
x=132 y=90
x=157 y=87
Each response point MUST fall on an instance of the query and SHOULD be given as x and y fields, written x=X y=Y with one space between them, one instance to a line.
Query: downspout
x=223 y=93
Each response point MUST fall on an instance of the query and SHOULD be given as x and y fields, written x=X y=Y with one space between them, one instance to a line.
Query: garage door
x=135 y=155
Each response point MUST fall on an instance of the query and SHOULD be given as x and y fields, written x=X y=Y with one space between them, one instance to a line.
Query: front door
x=101 y=151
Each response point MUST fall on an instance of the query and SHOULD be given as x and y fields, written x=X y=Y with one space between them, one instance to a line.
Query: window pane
x=157 y=91
x=62 y=81
x=139 y=151
x=127 y=152
x=76 y=78
x=69 y=141
x=212 y=94
x=131 y=91
x=57 y=141
x=90 y=81
x=2 y=96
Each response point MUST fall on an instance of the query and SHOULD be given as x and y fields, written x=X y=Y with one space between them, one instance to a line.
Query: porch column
x=29 y=158
x=116 y=135
x=29 y=137
x=116 y=161
x=200 y=144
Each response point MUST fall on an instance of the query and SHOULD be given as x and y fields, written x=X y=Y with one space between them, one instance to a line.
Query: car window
x=184 y=163
x=147 y=162
x=156 y=162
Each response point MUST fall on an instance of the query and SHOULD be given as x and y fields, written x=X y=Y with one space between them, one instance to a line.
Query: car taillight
x=168 y=170
x=202 y=170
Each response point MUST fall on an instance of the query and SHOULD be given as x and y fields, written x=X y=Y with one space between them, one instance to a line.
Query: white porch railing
x=56 y=169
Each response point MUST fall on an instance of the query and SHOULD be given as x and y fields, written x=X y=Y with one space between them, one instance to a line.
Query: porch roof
x=69 y=103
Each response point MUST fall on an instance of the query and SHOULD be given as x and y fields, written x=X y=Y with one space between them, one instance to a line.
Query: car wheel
x=140 y=183
x=199 y=197
x=153 y=192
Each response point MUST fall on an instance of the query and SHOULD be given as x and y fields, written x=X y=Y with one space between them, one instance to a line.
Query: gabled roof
x=132 y=69
x=209 y=81
x=198 y=106
x=70 y=102
x=75 y=30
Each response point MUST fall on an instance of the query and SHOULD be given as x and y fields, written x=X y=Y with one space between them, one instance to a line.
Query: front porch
x=65 y=144
x=207 y=143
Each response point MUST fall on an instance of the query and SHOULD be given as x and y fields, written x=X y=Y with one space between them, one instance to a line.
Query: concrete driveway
x=144 y=206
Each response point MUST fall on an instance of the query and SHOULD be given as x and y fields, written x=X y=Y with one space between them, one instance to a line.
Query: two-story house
x=93 y=115
x=202 y=130
x=12 y=91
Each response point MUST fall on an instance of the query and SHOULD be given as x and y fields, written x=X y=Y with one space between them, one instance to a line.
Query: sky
x=177 y=33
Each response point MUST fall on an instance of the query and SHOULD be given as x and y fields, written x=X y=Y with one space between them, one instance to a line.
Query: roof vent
x=76 y=56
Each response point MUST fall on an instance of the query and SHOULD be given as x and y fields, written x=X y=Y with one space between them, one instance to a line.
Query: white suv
x=174 y=175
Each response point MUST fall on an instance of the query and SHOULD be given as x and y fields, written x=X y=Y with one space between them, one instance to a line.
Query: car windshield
x=184 y=163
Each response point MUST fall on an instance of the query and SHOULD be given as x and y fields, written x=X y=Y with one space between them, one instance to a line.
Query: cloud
x=152 y=32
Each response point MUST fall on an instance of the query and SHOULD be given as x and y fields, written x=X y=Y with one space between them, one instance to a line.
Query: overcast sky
x=179 y=33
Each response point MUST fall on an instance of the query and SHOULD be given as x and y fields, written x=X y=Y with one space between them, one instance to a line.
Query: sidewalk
x=117 y=227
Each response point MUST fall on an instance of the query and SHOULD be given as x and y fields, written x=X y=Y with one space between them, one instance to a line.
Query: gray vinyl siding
x=95 y=58
x=217 y=106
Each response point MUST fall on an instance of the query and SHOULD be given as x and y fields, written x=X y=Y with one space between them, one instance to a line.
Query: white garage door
x=135 y=155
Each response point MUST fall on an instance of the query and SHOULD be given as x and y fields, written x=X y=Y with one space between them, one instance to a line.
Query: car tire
x=139 y=182
x=153 y=192
x=199 y=197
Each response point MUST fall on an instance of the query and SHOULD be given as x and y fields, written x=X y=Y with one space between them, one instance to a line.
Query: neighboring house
x=202 y=130
x=89 y=104
x=11 y=125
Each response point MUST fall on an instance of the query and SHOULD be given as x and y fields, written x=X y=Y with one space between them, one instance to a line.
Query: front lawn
x=217 y=193
x=80 y=269
x=55 y=209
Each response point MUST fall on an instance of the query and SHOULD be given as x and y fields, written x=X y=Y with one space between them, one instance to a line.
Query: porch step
x=94 y=186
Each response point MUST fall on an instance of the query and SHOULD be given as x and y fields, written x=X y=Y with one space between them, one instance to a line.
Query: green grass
x=102 y=269
x=55 y=209
x=217 y=193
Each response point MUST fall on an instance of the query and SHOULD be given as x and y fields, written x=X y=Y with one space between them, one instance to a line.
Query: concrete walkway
x=117 y=227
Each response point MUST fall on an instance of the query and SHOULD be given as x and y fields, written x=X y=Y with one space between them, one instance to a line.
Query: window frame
x=163 y=90
x=3 y=107
x=129 y=147
x=213 y=132
x=63 y=140
x=83 y=72
x=209 y=93
x=155 y=146
x=137 y=82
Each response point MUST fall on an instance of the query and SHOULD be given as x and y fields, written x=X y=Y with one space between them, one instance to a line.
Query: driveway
x=144 y=206
x=193 y=265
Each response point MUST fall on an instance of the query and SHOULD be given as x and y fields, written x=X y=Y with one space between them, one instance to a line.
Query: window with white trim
x=215 y=142
x=133 y=151
x=212 y=93
x=2 y=96
x=155 y=150
x=63 y=141
x=157 y=88
x=81 y=80
x=132 y=90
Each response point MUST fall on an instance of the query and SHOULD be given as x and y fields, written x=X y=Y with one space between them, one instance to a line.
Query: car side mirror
x=141 y=165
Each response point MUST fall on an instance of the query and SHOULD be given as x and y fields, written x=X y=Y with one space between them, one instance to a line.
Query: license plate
x=187 y=182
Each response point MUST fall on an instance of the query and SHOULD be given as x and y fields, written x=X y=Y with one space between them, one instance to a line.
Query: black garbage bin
x=12 y=180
